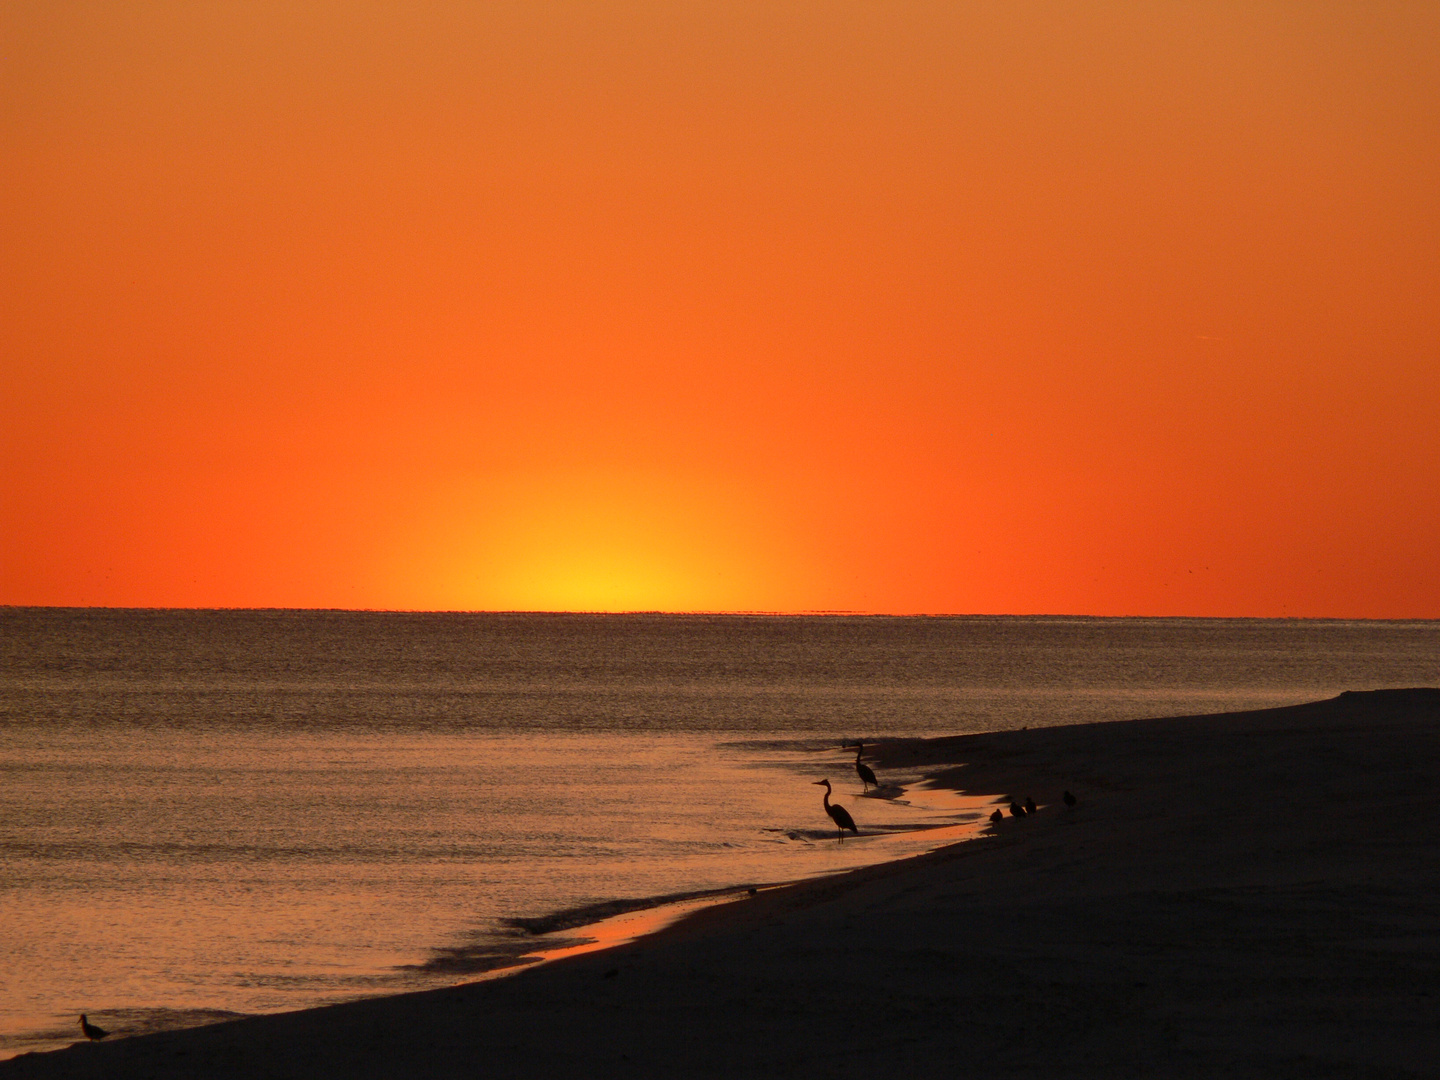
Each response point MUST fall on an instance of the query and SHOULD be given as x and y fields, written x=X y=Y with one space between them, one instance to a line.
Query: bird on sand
x=1029 y=805
x=867 y=774
x=93 y=1033
x=997 y=817
x=1070 y=800
x=1016 y=809
x=838 y=814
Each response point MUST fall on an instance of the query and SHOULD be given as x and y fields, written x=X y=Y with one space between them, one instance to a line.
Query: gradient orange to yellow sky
x=1097 y=308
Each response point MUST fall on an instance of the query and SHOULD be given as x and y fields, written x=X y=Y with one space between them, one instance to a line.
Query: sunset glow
x=1115 y=308
x=595 y=542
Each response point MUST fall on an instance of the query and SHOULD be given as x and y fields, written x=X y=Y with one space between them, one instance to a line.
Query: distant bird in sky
x=867 y=774
x=1029 y=805
x=838 y=814
x=997 y=816
x=92 y=1032
x=1070 y=800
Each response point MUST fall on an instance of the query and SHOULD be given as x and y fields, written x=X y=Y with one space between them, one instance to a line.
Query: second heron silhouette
x=838 y=814
x=867 y=774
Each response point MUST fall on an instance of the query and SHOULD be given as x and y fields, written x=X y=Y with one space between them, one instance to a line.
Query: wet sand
x=1247 y=895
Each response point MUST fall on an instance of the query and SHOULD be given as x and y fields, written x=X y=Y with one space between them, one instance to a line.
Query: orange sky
x=1104 y=308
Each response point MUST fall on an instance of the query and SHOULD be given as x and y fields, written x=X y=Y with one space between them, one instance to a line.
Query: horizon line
x=735 y=612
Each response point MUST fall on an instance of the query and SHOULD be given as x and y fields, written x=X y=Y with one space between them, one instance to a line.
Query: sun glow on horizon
x=598 y=542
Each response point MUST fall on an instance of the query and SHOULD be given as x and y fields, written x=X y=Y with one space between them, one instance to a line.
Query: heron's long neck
x=827 y=796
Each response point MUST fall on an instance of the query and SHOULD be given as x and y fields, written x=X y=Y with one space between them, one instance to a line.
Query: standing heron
x=867 y=774
x=91 y=1032
x=838 y=814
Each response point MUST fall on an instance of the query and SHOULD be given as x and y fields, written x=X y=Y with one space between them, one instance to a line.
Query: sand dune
x=1248 y=895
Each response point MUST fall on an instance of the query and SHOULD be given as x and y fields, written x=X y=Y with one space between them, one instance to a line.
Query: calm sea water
x=204 y=813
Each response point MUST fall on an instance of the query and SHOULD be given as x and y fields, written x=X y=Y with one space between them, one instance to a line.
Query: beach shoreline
x=1252 y=894
x=513 y=943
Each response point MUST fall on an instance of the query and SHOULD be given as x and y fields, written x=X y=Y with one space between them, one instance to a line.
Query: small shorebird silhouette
x=1015 y=808
x=93 y=1033
x=997 y=817
x=838 y=814
x=1029 y=805
x=867 y=774
x=1070 y=800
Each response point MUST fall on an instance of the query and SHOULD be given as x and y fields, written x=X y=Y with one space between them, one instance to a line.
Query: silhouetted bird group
x=843 y=820
x=1028 y=807
x=839 y=814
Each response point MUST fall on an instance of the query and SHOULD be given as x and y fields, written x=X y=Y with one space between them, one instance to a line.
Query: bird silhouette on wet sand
x=1070 y=800
x=997 y=817
x=93 y=1033
x=867 y=774
x=1016 y=810
x=838 y=814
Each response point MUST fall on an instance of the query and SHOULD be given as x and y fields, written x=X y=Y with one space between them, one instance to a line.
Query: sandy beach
x=1251 y=894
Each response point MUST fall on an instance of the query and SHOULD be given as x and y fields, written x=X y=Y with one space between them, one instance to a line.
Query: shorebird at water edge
x=867 y=774
x=838 y=814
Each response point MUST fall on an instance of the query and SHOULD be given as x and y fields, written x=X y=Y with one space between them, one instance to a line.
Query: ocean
x=211 y=813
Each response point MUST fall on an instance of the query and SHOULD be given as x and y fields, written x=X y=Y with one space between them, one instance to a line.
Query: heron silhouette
x=867 y=774
x=838 y=814
x=93 y=1033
